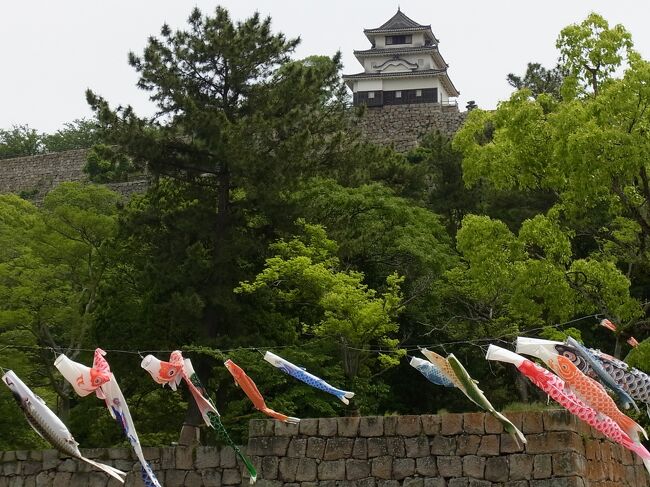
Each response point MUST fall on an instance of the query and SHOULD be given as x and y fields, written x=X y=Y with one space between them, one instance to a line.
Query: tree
x=20 y=141
x=590 y=52
x=538 y=80
x=306 y=281
x=592 y=152
x=78 y=134
x=52 y=264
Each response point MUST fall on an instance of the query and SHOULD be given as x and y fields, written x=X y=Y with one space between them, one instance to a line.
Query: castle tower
x=402 y=67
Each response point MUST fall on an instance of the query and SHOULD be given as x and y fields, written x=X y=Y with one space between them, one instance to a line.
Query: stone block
x=184 y=458
x=334 y=470
x=229 y=476
x=452 y=424
x=327 y=426
x=479 y=483
x=426 y=466
x=443 y=445
x=377 y=447
x=474 y=423
x=431 y=424
x=360 y=449
x=10 y=456
x=357 y=469
x=542 y=466
x=417 y=447
x=467 y=444
x=348 y=427
x=568 y=463
x=372 y=426
x=167 y=458
x=63 y=480
x=31 y=468
x=492 y=425
x=307 y=468
x=532 y=422
x=434 y=482
x=270 y=468
x=381 y=467
x=337 y=448
x=268 y=483
x=473 y=466
x=50 y=459
x=408 y=426
x=521 y=467
x=119 y=454
x=516 y=483
x=554 y=441
x=177 y=477
x=489 y=445
x=560 y=421
x=287 y=469
x=297 y=447
x=560 y=482
x=395 y=446
x=449 y=466
x=458 y=482
x=193 y=479
x=315 y=447
x=78 y=480
x=388 y=483
x=390 y=425
x=67 y=465
x=367 y=482
x=403 y=467
x=228 y=458
x=510 y=445
x=308 y=427
x=286 y=429
x=496 y=469
x=207 y=457
x=262 y=446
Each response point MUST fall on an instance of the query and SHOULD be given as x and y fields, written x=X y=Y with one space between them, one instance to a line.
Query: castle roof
x=400 y=23
x=441 y=73
x=433 y=50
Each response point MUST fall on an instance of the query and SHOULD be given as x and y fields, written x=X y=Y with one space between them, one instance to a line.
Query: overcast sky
x=51 y=51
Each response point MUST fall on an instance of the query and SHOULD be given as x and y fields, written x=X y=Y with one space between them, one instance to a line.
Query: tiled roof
x=398 y=21
x=395 y=74
x=395 y=50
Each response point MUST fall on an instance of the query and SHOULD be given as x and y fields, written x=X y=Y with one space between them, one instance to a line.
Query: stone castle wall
x=402 y=126
x=35 y=176
x=451 y=450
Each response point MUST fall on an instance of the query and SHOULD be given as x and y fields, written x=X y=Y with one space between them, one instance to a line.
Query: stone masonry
x=451 y=450
x=402 y=126
x=35 y=176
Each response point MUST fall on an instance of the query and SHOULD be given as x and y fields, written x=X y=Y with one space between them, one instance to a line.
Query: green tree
x=591 y=51
x=78 y=134
x=52 y=263
x=590 y=151
x=306 y=280
x=538 y=80
x=19 y=141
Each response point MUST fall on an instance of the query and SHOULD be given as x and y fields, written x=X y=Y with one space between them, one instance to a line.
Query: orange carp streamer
x=250 y=389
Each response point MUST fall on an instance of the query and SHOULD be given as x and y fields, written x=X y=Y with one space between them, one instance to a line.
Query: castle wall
x=451 y=450
x=402 y=126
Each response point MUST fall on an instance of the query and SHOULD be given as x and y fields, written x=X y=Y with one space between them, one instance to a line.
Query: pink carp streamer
x=555 y=388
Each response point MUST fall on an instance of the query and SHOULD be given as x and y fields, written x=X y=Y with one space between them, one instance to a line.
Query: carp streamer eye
x=171 y=373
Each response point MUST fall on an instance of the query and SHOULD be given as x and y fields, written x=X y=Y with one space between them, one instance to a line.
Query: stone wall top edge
x=46 y=156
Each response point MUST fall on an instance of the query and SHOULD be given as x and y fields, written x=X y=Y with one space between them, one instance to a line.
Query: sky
x=52 y=51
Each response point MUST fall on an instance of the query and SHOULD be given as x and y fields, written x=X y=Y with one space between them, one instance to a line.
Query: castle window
x=418 y=92
x=371 y=94
x=398 y=94
x=390 y=40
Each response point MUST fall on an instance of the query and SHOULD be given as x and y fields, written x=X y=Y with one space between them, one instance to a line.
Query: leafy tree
x=78 y=134
x=591 y=52
x=307 y=282
x=19 y=141
x=51 y=266
x=590 y=151
x=538 y=80
x=105 y=164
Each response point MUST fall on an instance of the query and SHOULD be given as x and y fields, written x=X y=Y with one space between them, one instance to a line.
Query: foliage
x=305 y=279
x=20 y=141
x=104 y=164
x=539 y=80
